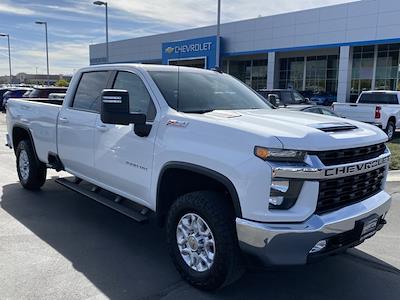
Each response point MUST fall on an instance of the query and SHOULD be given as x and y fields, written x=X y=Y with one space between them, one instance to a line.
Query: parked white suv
x=204 y=154
x=381 y=108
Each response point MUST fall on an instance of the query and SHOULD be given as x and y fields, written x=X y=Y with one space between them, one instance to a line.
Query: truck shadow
x=126 y=260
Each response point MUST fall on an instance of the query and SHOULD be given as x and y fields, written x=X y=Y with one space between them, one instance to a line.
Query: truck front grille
x=338 y=157
x=340 y=192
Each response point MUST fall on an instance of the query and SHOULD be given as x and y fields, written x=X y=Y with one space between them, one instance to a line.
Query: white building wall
x=366 y=20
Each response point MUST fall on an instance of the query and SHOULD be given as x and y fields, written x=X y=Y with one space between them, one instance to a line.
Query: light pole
x=106 y=6
x=47 y=49
x=9 y=53
x=218 y=46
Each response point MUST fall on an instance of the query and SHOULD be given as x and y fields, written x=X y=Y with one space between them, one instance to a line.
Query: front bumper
x=290 y=243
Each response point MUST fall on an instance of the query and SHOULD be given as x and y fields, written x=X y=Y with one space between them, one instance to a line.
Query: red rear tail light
x=378 y=112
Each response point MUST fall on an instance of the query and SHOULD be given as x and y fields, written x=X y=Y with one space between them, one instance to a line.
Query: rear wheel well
x=19 y=134
x=177 y=180
x=393 y=119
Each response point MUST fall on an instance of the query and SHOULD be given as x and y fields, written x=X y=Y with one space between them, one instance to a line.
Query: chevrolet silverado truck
x=381 y=108
x=228 y=176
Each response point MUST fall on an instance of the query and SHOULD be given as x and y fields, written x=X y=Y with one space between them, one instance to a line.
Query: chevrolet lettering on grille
x=356 y=168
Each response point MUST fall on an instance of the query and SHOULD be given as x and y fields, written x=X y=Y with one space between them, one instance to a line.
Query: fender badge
x=177 y=123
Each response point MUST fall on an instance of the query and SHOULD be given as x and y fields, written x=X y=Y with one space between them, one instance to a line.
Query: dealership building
x=341 y=49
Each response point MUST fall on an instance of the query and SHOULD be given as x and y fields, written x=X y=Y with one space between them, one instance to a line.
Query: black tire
x=219 y=216
x=390 y=130
x=33 y=175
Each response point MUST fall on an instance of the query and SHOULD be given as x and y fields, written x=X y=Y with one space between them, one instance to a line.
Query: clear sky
x=74 y=24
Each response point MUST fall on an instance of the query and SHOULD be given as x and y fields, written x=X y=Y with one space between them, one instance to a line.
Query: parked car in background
x=316 y=109
x=57 y=96
x=283 y=97
x=44 y=92
x=13 y=93
x=325 y=99
x=381 y=108
x=2 y=92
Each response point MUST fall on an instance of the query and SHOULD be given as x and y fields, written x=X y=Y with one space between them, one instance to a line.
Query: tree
x=62 y=82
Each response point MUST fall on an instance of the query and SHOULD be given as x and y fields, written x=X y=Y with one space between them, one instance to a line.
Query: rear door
x=76 y=124
x=123 y=160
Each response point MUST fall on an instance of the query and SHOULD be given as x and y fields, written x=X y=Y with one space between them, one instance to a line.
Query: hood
x=300 y=130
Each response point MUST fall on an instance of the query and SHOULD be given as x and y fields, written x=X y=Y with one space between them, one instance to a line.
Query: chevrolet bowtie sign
x=195 y=47
x=169 y=50
x=203 y=48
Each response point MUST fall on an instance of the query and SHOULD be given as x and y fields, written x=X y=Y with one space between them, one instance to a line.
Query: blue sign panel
x=204 y=47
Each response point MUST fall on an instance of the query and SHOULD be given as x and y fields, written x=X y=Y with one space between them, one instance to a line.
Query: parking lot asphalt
x=56 y=244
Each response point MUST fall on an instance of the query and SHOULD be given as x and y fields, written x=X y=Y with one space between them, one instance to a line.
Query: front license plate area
x=368 y=226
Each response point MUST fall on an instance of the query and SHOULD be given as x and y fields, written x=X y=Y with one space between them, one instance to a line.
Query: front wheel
x=202 y=240
x=390 y=130
x=31 y=171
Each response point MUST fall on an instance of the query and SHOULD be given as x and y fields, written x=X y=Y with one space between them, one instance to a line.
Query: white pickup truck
x=202 y=153
x=381 y=108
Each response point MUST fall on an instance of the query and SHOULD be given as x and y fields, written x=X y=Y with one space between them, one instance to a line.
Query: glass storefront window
x=291 y=73
x=363 y=70
x=252 y=72
x=321 y=73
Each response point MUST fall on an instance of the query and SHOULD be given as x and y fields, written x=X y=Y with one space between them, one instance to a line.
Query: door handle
x=102 y=128
x=63 y=120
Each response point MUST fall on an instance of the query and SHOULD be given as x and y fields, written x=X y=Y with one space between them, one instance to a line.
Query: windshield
x=199 y=92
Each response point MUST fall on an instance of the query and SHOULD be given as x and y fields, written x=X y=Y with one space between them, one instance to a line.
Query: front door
x=123 y=160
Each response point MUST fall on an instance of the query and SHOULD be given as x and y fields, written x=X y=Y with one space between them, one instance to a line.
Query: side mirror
x=115 y=110
x=307 y=100
x=273 y=99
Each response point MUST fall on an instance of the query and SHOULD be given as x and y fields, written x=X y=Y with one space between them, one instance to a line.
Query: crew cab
x=228 y=176
x=381 y=108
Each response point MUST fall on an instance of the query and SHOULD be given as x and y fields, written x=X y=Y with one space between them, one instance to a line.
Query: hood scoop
x=224 y=114
x=334 y=127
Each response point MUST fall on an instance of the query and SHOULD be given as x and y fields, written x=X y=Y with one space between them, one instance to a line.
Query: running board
x=103 y=200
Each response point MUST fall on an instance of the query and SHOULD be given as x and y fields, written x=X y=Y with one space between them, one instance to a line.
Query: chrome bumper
x=290 y=244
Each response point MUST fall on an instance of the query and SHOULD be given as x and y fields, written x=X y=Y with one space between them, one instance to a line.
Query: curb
x=393 y=176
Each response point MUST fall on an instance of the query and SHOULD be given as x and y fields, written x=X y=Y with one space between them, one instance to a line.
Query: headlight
x=284 y=193
x=279 y=154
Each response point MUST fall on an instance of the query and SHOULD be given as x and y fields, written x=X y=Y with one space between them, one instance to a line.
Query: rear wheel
x=202 y=240
x=390 y=130
x=31 y=171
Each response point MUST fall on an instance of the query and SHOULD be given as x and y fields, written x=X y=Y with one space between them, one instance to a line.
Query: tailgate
x=354 y=111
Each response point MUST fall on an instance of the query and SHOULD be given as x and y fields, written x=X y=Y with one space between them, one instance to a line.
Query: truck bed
x=359 y=112
x=40 y=117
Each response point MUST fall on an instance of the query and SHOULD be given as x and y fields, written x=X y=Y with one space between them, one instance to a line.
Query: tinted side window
x=314 y=110
x=139 y=98
x=378 y=98
x=88 y=93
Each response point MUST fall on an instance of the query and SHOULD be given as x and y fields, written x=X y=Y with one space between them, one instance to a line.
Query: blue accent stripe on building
x=321 y=46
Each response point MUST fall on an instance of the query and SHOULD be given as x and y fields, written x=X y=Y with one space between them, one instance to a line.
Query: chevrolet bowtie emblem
x=169 y=50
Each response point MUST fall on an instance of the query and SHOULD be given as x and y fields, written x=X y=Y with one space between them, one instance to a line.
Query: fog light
x=284 y=193
x=318 y=246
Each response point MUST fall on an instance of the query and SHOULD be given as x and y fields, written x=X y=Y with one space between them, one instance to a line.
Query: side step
x=103 y=200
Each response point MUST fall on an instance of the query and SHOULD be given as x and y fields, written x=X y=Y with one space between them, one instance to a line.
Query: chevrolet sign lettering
x=195 y=47
x=347 y=170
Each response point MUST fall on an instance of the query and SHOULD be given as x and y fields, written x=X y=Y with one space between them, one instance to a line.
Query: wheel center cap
x=193 y=244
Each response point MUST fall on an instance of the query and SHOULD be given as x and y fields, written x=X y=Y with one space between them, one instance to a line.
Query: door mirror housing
x=115 y=109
